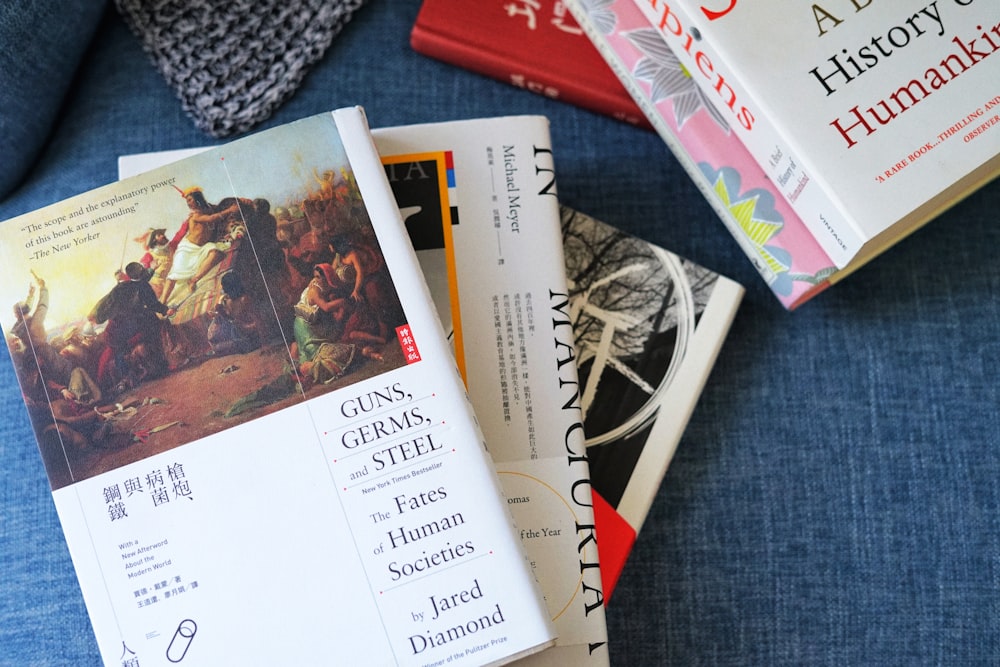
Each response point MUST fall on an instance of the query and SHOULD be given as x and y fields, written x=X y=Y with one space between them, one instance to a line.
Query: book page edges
x=930 y=210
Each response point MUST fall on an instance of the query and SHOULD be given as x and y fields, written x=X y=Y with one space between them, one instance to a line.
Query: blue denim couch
x=836 y=497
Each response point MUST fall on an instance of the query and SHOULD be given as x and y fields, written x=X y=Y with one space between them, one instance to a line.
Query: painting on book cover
x=196 y=297
x=634 y=308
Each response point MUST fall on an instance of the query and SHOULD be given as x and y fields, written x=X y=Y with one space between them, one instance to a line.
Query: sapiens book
x=252 y=466
x=764 y=225
x=536 y=46
x=648 y=327
x=480 y=203
x=872 y=118
x=480 y=206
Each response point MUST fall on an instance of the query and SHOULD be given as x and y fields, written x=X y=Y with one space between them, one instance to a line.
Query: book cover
x=295 y=447
x=480 y=204
x=648 y=327
x=534 y=45
x=871 y=117
x=764 y=225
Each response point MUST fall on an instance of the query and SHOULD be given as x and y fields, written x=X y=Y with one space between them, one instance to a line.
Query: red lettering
x=713 y=15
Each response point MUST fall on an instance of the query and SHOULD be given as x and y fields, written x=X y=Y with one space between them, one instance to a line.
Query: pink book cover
x=770 y=233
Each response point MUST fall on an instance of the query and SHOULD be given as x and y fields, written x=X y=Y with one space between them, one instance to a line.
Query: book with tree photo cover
x=648 y=327
x=235 y=435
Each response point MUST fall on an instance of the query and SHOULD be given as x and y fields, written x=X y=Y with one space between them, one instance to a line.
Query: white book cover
x=246 y=473
x=480 y=203
x=770 y=233
x=872 y=117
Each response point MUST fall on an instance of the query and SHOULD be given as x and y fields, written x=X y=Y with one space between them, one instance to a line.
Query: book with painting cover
x=764 y=225
x=648 y=328
x=871 y=117
x=230 y=440
x=480 y=204
x=535 y=45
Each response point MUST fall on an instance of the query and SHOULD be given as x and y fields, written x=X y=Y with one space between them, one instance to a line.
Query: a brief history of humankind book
x=648 y=327
x=257 y=460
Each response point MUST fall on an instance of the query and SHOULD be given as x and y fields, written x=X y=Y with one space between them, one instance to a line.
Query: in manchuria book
x=648 y=326
x=769 y=232
x=480 y=202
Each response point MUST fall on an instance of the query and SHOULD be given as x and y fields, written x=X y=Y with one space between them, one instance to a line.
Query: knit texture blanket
x=233 y=62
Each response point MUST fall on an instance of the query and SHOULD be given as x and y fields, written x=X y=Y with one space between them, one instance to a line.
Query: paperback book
x=764 y=225
x=871 y=118
x=648 y=327
x=535 y=45
x=231 y=442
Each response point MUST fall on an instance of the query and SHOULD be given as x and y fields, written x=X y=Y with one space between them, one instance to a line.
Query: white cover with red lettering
x=930 y=70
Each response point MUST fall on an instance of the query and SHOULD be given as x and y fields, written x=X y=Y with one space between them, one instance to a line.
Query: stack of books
x=398 y=393
x=815 y=163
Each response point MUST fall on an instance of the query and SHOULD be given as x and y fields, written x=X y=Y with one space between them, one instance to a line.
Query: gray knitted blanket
x=233 y=62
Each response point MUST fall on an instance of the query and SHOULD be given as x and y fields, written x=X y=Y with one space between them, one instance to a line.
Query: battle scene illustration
x=236 y=309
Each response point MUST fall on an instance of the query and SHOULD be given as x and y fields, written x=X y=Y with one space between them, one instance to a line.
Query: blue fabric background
x=835 y=498
x=41 y=42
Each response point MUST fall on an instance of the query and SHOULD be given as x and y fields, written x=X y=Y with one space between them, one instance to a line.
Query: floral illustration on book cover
x=635 y=309
x=791 y=256
x=197 y=297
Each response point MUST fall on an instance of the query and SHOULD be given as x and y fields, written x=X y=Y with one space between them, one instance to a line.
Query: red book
x=531 y=44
